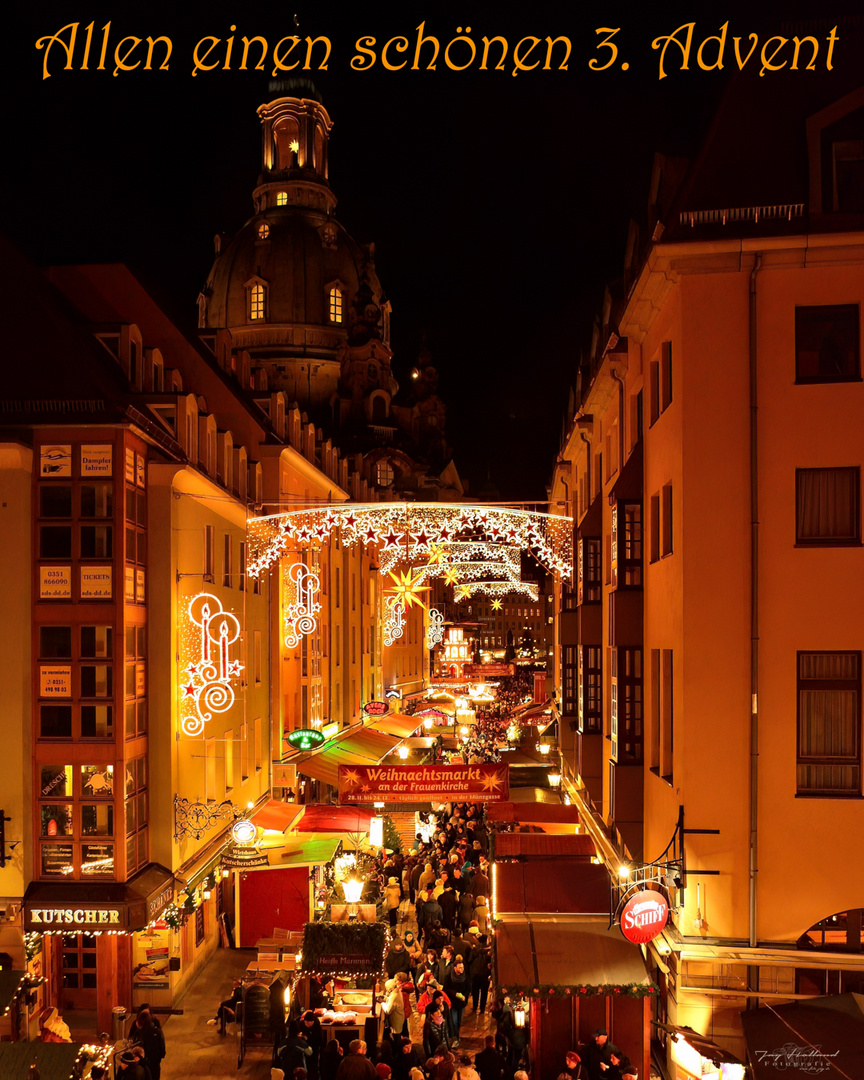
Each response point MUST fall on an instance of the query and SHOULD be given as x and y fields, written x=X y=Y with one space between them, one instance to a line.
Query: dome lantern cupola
x=295 y=133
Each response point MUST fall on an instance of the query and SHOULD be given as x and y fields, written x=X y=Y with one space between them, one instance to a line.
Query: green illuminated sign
x=304 y=738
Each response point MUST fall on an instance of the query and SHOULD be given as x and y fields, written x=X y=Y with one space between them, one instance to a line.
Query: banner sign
x=481 y=671
x=423 y=783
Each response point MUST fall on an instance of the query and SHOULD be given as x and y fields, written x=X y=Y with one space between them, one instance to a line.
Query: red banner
x=423 y=783
x=482 y=671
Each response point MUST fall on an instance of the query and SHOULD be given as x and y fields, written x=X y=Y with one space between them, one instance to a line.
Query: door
x=78 y=971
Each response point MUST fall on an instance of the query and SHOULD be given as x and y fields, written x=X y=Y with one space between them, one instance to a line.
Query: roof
x=510 y=845
x=304 y=851
x=552 y=886
x=324 y=766
x=55 y=1060
x=564 y=952
x=368 y=743
x=833 y=1024
x=397 y=724
x=319 y=818
x=557 y=812
x=277 y=816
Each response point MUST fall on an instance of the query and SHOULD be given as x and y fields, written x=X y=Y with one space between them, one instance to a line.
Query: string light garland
x=416 y=529
x=545 y=990
x=468 y=589
x=206 y=637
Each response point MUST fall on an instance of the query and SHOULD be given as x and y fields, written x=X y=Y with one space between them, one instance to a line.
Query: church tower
x=299 y=294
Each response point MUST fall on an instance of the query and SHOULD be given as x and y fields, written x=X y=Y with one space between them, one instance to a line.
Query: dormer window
x=281 y=198
x=335 y=307
x=384 y=473
x=256 y=294
x=263 y=230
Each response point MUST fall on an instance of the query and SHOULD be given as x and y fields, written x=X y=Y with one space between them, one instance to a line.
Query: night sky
x=498 y=204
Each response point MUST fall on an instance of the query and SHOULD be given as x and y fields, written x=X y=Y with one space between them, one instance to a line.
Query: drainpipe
x=582 y=422
x=615 y=375
x=754 y=610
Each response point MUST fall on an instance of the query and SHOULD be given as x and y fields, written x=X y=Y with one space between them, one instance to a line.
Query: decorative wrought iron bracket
x=194 y=818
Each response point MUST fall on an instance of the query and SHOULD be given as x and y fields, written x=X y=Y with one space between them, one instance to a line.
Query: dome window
x=384 y=473
x=335 y=305
x=257 y=297
x=281 y=198
x=263 y=230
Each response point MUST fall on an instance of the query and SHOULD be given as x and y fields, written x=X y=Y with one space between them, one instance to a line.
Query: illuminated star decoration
x=496 y=605
x=451 y=577
x=406 y=589
x=351 y=778
x=462 y=592
x=437 y=555
x=294 y=147
x=493 y=783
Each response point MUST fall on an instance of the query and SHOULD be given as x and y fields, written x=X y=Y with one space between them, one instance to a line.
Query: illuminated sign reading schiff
x=304 y=738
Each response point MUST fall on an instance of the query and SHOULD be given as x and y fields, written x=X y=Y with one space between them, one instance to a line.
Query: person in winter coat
x=449 y=903
x=355 y=1065
x=595 y=1055
x=405 y=1059
x=481 y=914
x=394 y=1004
x=445 y=961
x=465 y=1070
x=489 y=1063
x=392 y=900
x=130 y=1068
x=434 y=1033
x=457 y=986
x=479 y=883
x=426 y=878
x=397 y=958
x=146 y=1032
x=466 y=910
x=480 y=970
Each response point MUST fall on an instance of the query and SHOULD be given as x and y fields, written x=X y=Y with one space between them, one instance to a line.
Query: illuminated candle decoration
x=209 y=670
x=301 y=611
x=394 y=622
x=434 y=628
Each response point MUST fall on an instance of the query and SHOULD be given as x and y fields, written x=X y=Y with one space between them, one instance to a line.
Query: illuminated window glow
x=263 y=230
x=281 y=198
x=256 y=302
x=335 y=305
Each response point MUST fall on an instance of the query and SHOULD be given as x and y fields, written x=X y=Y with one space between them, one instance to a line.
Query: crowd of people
x=599 y=1059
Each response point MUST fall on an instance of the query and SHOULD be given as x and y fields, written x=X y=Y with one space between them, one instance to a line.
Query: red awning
x=554 y=813
x=511 y=845
x=347 y=819
x=277 y=816
x=551 y=885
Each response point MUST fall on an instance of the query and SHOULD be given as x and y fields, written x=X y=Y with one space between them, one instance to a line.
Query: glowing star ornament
x=496 y=605
x=451 y=576
x=406 y=589
x=210 y=669
x=493 y=783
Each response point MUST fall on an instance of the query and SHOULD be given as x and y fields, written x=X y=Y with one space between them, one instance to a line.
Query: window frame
x=810 y=380
x=828 y=541
x=809 y=760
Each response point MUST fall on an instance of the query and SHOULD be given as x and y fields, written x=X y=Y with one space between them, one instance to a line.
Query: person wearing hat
x=130 y=1068
x=392 y=900
x=595 y=1056
x=573 y=1067
x=397 y=958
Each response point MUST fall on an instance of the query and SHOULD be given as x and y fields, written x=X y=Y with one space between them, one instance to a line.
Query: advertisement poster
x=96 y=460
x=55 y=582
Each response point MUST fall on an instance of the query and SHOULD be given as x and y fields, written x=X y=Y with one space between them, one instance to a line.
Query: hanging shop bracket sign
x=360 y=784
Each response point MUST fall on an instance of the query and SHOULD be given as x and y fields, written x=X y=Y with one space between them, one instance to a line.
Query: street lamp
x=402 y=752
x=428 y=722
x=353 y=890
x=554 y=779
x=520 y=1014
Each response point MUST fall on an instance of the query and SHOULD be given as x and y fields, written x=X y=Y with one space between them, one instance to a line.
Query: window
x=244 y=751
x=590 y=689
x=827 y=344
x=209 y=552
x=256 y=302
x=826 y=506
x=263 y=230
x=829 y=723
x=257 y=658
x=384 y=474
x=55 y=642
x=281 y=198
x=660 y=380
x=226 y=560
x=335 y=304
x=666 y=524
x=625 y=712
x=229 y=760
x=588 y=570
x=667 y=726
x=569 y=680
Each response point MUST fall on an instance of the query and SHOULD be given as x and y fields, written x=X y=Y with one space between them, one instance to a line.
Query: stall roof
x=368 y=743
x=564 y=952
x=277 y=816
x=305 y=851
x=55 y=1060
x=513 y=845
x=556 y=812
x=322 y=819
x=325 y=766
x=834 y=1024
x=397 y=724
x=551 y=885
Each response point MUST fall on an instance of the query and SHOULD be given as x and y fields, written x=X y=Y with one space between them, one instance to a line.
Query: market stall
x=346 y=960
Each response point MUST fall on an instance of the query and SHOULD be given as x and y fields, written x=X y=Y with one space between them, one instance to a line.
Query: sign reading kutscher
x=423 y=783
x=644 y=916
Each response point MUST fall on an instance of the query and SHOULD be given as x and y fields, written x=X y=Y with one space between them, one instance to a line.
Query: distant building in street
x=709 y=648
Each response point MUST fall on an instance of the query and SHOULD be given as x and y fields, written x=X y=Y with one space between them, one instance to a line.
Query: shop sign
x=284 y=775
x=130 y=466
x=96 y=582
x=96 y=460
x=479 y=671
x=55 y=682
x=73 y=916
x=377 y=708
x=243 y=831
x=343 y=962
x=130 y=584
x=158 y=903
x=423 y=783
x=304 y=738
x=55 y=460
x=239 y=861
x=55 y=582
x=644 y=916
x=139 y=470
x=139 y=585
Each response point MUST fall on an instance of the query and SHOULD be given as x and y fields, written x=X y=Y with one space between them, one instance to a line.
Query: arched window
x=335 y=306
x=263 y=230
x=256 y=301
x=281 y=198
